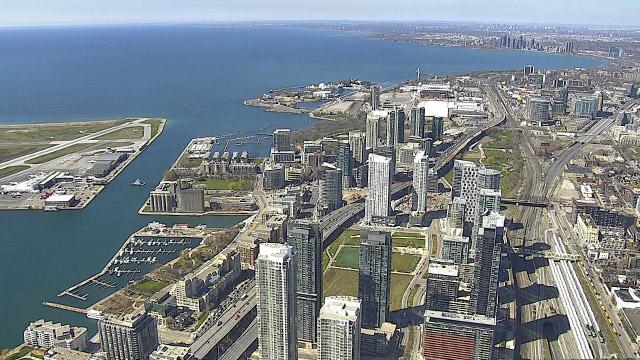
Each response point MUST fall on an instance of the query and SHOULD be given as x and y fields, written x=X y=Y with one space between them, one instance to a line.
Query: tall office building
x=455 y=248
x=420 y=176
x=343 y=160
x=282 y=139
x=378 y=202
x=330 y=188
x=450 y=336
x=374 y=97
x=357 y=144
x=539 y=111
x=339 y=329
x=305 y=238
x=276 y=280
x=437 y=128
x=489 y=179
x=487 y=263
x=373 y=128
x=128 y=337
x=395 y=127
x=465 y=185
x=375 y=276
x=442 y=287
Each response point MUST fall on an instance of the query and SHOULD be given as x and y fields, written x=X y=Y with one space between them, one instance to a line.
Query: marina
x=138 y=255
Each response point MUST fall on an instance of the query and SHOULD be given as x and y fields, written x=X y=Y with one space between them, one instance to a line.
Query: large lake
x=197 y=77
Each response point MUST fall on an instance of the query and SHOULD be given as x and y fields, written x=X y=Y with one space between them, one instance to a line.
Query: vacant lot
x=222 y=184
x=340 y=282
x=399 y=284
x=413 y=240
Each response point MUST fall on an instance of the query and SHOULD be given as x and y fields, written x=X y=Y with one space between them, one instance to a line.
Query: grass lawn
x=405 y=263
x=348 y=257
x=325 y=259
x=12 y=152
x=345 y=238
x=502 y=139
x=412 y=240
x=202 y=319
x=132 y=132
x=23 y=352
x=449 y=177
x=155 y=125
x=399 y=284
x=150 y=286
x=510 y=164
x=12 y=170
x=340 y=282
x=58 y=132
x=221 y=184
x=59 y=153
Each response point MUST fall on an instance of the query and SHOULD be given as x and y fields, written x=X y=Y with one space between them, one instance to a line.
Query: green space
x=449 y=177
x=150 y=286
x=347 y=237
x=223 y=184
x=155 y=125
x=340 y=282
x=325 y=259
x=434 y=245
x=131 y=132
x=502 y=139
x=348 y=257
x=22 y=353
x=59 y=153
x=53 y=132
x=201 y=319
x=510 y=163
x=399 y=284
x=12 y=152
x=413 y=240
x=405 y=263
x=12 y=170
x=345 y=282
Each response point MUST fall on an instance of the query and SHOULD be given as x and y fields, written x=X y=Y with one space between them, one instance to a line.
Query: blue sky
x=52 y=12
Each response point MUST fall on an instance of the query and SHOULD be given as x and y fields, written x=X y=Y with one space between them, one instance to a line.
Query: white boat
x=50 y=208
x=138 y=182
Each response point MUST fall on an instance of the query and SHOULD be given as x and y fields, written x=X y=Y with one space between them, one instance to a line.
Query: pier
x=65 y=307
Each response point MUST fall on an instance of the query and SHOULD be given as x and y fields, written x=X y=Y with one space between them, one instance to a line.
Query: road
x=230 y=318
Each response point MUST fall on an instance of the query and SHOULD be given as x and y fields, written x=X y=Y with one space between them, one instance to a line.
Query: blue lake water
x=197 y=77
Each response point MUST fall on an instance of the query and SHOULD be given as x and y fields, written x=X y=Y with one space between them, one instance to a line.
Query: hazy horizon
x=29 y=13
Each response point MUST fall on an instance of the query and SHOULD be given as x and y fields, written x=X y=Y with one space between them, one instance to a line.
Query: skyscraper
x=420 y=176
x=128 y=337
x=417 y=122
x=528 y=70
x=437 y=128
x=488 y=201
x=395 y=127
x=465 y=185
x=374 y=97
x=489 y=179
x=378 y=203
x=305 y=238
x=456 y=211
x=375 y=276
x=275 y=276
x=373 y=128
x=282 y=139
x=487 y=263
x=357 y=144
x=343 y=160
x=330 y=189
x=539 y=111
x=339 y=329
x=455 y=248
x=450 y=336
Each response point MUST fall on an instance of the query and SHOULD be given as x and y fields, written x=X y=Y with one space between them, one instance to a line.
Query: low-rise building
x=47 y=334
x=168 y=352
x=588 y=231
x=59 y=353
x=61 y=200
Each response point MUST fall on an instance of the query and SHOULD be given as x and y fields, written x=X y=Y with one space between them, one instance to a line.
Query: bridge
x=546 y=254
x=534 y=201
x=243 y=343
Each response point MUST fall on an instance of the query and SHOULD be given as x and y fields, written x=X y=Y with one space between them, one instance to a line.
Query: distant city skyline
x=81 y=12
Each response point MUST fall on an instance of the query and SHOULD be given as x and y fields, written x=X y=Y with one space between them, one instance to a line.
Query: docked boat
x=50 y=208
x=138 y=182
